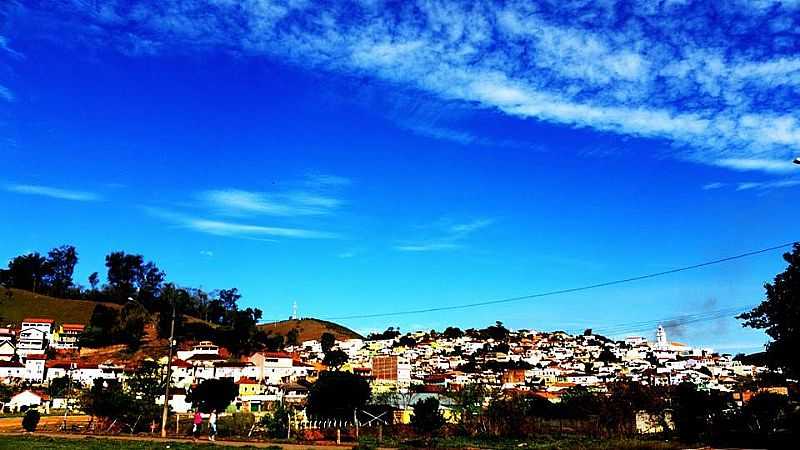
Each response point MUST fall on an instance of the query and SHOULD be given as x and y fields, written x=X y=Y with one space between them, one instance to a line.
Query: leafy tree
x=765 y=412
x=130 y=327
x=124 y=274
x=452 y=333
x=276 y=423
x=335 y=359
x=229 y=298
x=695 y=411
x=406 y=341
x=94 y=280
x=607 y=356
x=427 y=418
x=27 y=272
x=779 y=315
x=327 y=340
x=292 y=337
x=213 y=394
x=390 y=333
x=31 y=420
x=337 y=394
x=497 y=332
x=61 y=263
x=58 y=387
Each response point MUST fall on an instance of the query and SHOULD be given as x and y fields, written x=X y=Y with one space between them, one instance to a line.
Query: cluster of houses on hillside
x=421 y=364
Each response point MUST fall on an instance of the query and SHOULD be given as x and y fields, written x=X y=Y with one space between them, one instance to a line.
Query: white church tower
x=661 y=338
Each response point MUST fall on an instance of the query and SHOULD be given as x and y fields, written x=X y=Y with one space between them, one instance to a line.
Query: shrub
x=31 y=420
x=236 y=424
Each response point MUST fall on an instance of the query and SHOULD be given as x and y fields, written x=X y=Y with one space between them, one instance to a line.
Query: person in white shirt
x=212 y=426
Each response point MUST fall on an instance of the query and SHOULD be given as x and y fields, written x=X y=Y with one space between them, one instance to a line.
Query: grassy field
x=91 y=443
x=310 y=329
x=24 y=304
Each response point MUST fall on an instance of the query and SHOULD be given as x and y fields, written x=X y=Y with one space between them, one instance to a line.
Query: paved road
x=326 y=446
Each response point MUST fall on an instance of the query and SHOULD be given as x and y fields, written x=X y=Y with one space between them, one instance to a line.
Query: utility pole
x=70 y=368
x=165 y=412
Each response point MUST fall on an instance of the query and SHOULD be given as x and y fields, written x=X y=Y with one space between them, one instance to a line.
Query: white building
x=35 y=367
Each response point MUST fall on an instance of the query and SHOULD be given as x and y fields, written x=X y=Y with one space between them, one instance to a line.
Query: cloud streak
x=237 y=202
x=238 y=230
x=449 y=237
x=708 y=77
x=57 y=193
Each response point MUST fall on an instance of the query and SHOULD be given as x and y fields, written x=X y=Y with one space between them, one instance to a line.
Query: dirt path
x=166 y=440
x=10 y=424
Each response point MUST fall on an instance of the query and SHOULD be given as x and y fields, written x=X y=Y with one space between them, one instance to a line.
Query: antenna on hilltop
x=294 y=310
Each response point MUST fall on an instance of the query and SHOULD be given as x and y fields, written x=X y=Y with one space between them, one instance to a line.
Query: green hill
x=310 y=329
x=22 y=304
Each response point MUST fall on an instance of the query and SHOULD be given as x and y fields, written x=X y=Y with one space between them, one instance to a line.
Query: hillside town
x=419 y=364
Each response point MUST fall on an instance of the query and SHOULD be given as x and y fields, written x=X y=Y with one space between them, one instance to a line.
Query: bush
x=236 y=424
x=31 y=420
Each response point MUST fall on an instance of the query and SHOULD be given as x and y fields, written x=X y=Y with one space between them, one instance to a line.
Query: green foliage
x=390 y=333
x=327 y=341
x=427 y=418
x=336 y=395
x=31 y=420
x=276 y=422
x=335 y=359
x=452 y=333
x=779 y=316
x=292 y=337
x=58 y=387
x=213 y=394
x=236 y=424
x=131 y=404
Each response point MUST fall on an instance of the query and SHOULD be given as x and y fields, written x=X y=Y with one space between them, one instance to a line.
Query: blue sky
x=364 y=157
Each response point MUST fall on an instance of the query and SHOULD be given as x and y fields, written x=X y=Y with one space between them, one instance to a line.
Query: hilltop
x=310 y=329
x=22 y=304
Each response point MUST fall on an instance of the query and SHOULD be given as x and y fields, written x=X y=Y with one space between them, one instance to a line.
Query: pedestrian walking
x=196 y=424
x=212 y=426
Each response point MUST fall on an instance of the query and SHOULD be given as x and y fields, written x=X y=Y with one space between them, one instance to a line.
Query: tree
x=229 y=298
x=31 y=420
x=27 y=272
x=327 y=340
x=292 y=337
x=335 y=359
x=213 y=394
x=336 y=395
x=94 y=280
x=276 y=423
x=452 y=333
x=779 y=315
x=58 y=387
x=124 y=274
x=61 y=263
x=130 y=327
x=427 y=418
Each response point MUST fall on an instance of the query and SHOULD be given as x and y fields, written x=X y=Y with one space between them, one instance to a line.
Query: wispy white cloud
x=765 y=165
x=716 y=83
x=237 y=202
x=235 y=229
x=766 y=185
x=447 y=236
x=52 y=192
x=6 y=94
x=714 y=185
x=207 y=253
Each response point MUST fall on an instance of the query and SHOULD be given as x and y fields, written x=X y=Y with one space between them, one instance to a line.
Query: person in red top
x=197 y=423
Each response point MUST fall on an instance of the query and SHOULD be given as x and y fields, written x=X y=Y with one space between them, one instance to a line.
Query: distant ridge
x=310 y=329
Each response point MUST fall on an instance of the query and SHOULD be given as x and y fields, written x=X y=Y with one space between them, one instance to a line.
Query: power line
x=561 y=291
